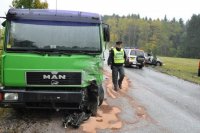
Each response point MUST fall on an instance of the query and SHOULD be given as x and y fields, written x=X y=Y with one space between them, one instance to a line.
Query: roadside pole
x=199 y=70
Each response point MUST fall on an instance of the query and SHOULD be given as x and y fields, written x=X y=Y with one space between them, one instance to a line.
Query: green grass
x=183 y=68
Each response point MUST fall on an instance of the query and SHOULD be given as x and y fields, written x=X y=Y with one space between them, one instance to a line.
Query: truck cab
x=53 y=59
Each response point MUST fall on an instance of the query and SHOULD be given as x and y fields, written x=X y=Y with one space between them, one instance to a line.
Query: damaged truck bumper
x=60 y=99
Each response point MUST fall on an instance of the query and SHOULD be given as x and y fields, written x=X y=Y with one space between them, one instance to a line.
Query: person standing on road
x=116 y=60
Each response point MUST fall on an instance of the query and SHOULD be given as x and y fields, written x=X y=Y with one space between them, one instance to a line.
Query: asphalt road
x=172 y=104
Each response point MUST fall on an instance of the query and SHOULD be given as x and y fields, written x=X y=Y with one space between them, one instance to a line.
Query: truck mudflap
x=44 y=99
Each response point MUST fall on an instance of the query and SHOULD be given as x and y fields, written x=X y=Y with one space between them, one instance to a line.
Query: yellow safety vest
x=118 y=56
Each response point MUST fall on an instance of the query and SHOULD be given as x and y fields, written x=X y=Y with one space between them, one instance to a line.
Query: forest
x=164 y=37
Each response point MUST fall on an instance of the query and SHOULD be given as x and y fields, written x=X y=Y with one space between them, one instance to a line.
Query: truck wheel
x=97 y=101
x=95 y=98
x=101 y=95
x=94 y=108
x=93 y=102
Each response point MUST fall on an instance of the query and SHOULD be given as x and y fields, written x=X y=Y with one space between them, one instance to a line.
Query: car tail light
x=1 y=97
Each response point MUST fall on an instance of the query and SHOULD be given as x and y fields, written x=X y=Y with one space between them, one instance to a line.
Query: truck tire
x=94 y=108
x=93 y=100
x=97 y=101
x=101 y=95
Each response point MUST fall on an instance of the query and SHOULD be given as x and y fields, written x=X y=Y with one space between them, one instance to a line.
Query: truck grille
x=53 y=78
x=66 y=97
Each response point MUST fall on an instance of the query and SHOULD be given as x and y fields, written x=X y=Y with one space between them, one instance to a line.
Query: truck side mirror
x=4 y=22
x=106 y=32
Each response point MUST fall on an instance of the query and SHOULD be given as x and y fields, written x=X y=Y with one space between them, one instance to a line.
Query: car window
x=139 y=53
x=133 y=52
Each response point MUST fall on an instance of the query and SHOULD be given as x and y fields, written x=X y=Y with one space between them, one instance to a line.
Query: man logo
x=54 y=82
x=54 y=76
x=54 y=72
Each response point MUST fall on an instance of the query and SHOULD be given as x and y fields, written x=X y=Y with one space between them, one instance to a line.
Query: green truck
x=53 y=59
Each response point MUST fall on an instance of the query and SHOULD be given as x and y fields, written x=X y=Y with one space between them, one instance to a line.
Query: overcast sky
x=151 y=8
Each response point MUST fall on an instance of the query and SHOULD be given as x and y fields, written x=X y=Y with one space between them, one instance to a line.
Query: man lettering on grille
x=116 y=60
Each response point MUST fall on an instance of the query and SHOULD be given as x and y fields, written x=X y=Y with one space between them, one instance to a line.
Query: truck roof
x=53 y=15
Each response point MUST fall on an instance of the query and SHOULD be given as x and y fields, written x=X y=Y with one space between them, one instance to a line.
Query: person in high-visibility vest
x=116 y=60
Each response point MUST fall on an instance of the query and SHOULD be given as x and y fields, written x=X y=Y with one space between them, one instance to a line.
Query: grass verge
x=183 y=68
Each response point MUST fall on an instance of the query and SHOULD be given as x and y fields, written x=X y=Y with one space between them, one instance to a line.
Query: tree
x=163 y=37
x=193 y=39
x=165 y=18
x=0 y=35
x=35 y=4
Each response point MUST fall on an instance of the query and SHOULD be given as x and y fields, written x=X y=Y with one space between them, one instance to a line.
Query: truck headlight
x=1 y=88
x=11 y=96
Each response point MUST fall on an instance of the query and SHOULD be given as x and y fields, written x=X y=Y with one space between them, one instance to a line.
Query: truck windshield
x=46 y=35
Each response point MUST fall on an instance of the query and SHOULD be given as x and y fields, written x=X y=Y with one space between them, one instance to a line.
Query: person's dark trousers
x=115 y=71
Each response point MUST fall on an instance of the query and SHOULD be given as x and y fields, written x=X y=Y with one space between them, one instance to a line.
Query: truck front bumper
x=42 y=99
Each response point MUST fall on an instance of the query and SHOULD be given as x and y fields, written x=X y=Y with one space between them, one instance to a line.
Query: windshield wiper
x=86 y=52
x=52 y=51
x=69 y=52
x=37 y=52
x=26 y=51
x=59 y=53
